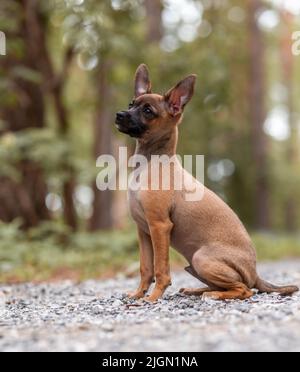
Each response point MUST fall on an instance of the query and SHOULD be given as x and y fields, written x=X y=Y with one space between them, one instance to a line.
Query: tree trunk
x=70 y=215
x=102 y=218
x=287 y=60
x=258 y=115
x=53 y=83
x=29 y=112
x=154 y=20
x=24 y=199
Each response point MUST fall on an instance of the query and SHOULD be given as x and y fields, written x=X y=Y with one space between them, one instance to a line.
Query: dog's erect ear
x=177 y=98
x=142 y=81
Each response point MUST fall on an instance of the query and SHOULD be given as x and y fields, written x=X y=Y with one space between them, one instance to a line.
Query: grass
x=81 y=256
x=276 y=246
x=45 y=254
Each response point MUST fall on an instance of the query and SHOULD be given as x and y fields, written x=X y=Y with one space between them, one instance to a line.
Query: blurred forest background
x=69 y=67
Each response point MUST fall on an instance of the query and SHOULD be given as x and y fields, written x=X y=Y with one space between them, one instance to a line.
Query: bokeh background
x=69 y=67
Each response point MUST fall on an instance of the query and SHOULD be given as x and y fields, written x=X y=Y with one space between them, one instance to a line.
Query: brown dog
x=207 y=232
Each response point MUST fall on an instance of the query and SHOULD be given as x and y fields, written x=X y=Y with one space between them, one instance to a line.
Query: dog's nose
x=121 y=116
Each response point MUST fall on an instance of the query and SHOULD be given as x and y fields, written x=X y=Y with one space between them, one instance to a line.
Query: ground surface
x=95 y=316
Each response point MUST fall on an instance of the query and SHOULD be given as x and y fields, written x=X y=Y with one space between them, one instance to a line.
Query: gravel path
x=95 y=316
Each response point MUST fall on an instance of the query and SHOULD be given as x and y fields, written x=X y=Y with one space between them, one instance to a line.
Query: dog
x=207 y=233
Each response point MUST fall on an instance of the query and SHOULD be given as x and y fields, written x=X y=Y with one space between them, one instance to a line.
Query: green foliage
x=34 y=145
x=276 y=246
x=52 y=251
x=21 y=72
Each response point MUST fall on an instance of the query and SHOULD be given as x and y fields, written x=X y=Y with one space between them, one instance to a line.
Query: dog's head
x=152 y=113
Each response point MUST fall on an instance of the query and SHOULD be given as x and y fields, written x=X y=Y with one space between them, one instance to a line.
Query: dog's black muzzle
x=128 y=124
x=122 y=118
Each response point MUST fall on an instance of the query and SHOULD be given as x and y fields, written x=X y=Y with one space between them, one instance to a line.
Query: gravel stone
x=97 y=316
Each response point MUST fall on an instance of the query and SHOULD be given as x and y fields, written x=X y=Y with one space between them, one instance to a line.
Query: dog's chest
x=136 y=209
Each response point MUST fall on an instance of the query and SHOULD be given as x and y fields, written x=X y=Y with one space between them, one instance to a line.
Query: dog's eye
x=147 y=111
x=131 y=104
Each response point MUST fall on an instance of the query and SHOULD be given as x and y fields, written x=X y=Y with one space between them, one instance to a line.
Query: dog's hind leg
x=218 y=274
x=194 y=291
x=239 y=292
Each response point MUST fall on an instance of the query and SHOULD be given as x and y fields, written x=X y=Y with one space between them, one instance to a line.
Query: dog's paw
x=150 y=299
x=194 y=291
x=210 y=296
x=136 y=295
x=186 y=291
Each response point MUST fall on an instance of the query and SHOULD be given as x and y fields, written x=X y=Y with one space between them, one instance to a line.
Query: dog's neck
x=165 y=144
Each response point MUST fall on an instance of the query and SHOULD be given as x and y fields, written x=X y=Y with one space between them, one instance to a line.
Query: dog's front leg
x=160 y=235
x=146 y=265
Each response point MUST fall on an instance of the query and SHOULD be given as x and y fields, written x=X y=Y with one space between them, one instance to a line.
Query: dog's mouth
x=121 y=128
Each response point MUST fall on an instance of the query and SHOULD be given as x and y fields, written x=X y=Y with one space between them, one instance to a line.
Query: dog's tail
x=266 y=287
